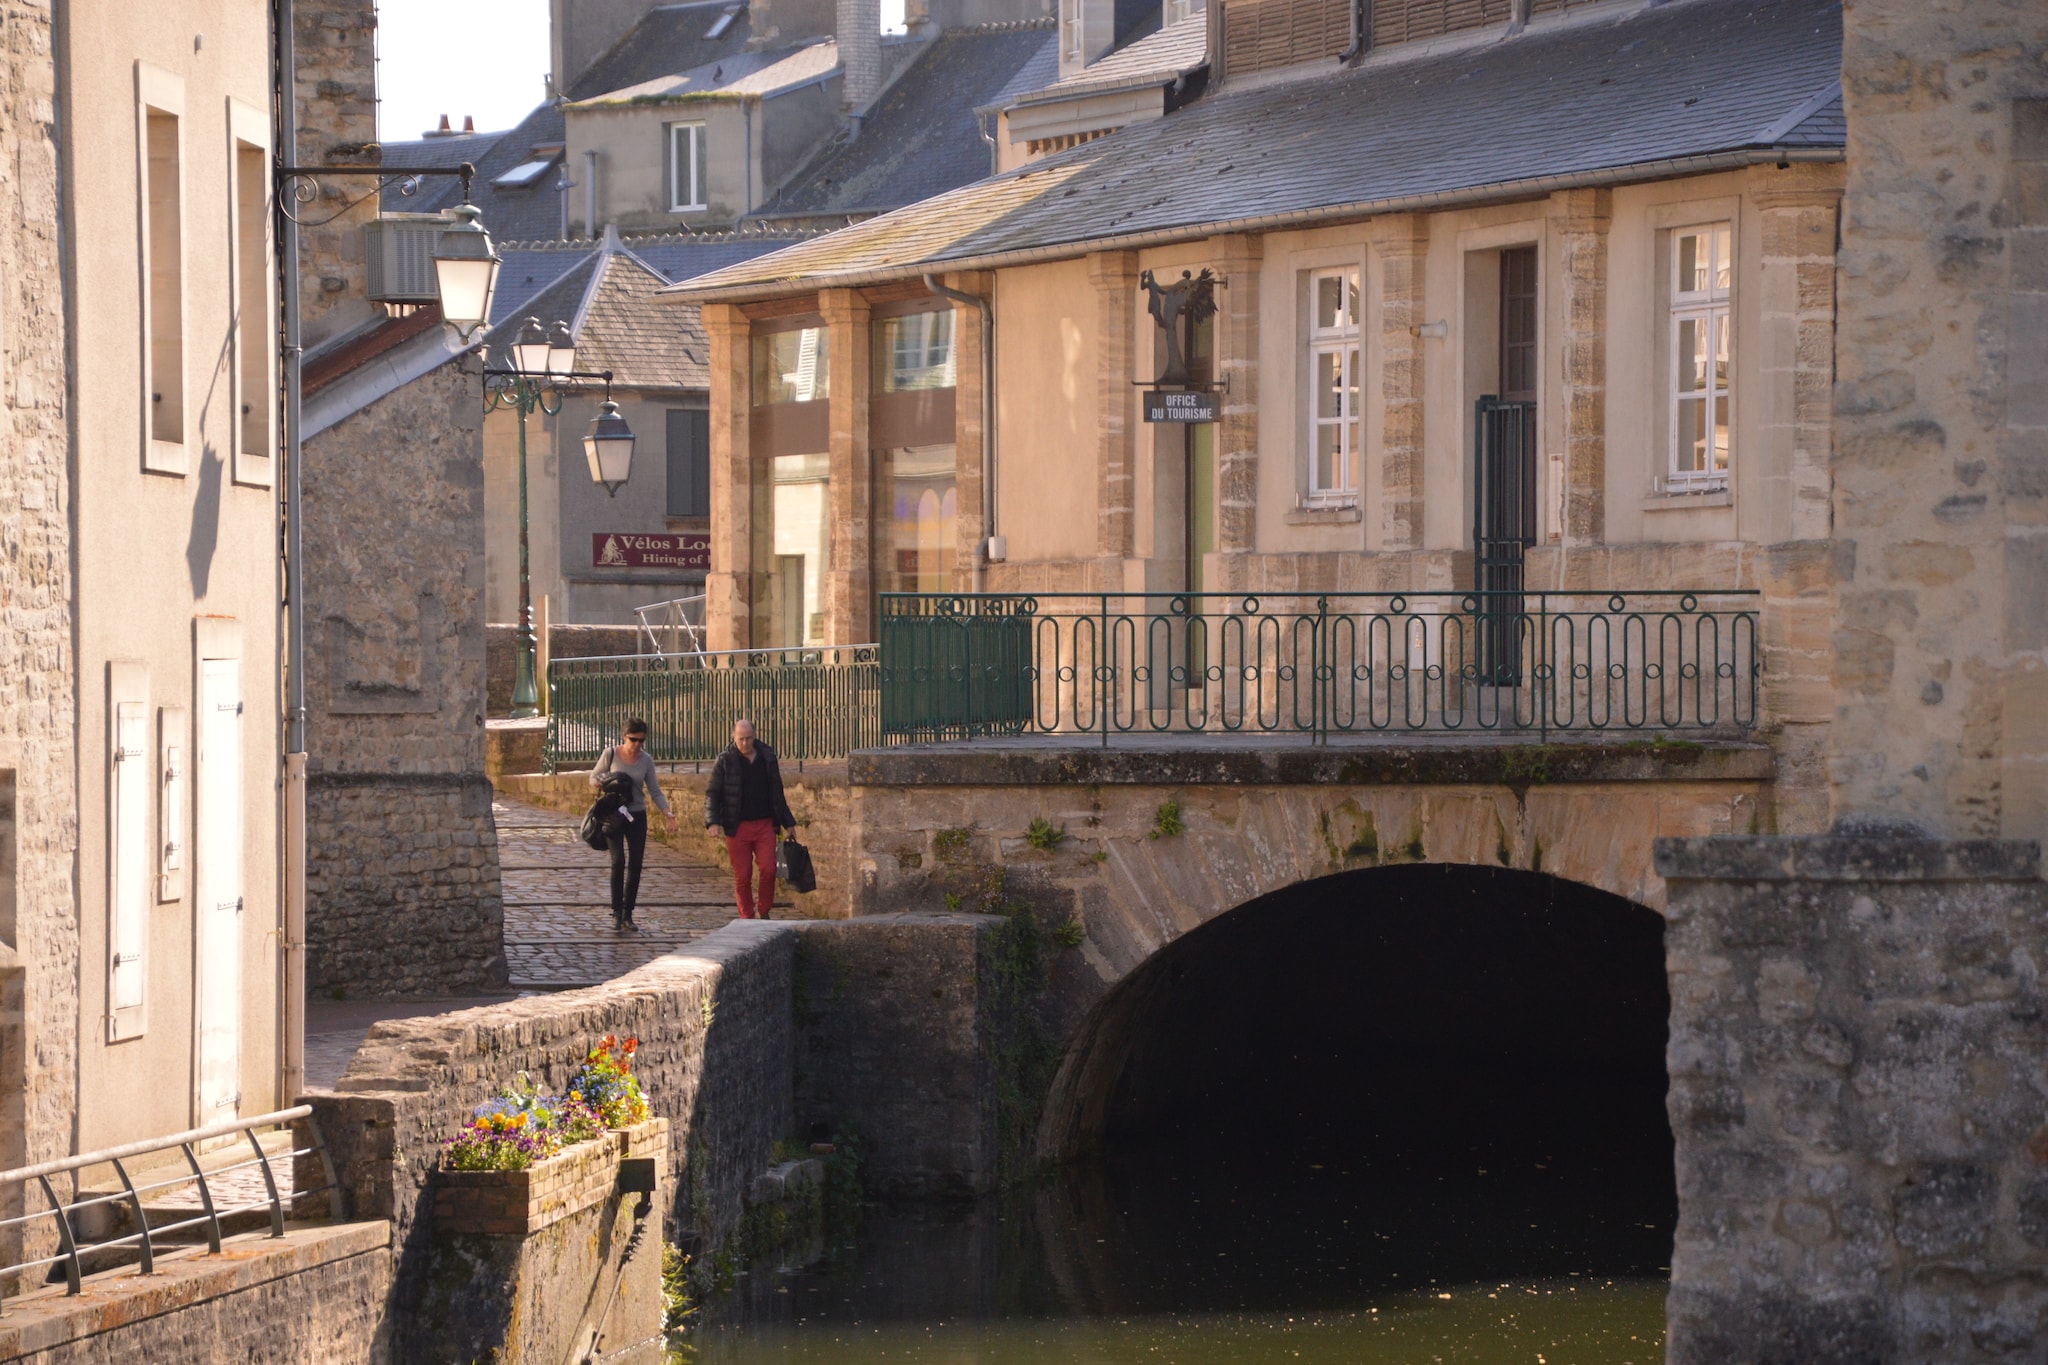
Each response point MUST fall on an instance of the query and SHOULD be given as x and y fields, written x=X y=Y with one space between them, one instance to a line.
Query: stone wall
x=38 y=669
x=1857 y=1027
x=501 y=654
x=335 y=44
x=1941 y=426
x=403 y=895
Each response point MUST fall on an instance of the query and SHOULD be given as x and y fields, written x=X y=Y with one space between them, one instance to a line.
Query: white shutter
x=219 y=903
x=174 y=781
x=131 y=837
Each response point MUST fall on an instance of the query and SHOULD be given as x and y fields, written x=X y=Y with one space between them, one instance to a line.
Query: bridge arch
x=1340 y=985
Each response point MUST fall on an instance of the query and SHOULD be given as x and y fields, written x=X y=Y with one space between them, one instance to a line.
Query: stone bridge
x=1126 y=850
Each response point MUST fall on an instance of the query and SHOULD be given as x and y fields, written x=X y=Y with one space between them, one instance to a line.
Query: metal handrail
x=72 y=1252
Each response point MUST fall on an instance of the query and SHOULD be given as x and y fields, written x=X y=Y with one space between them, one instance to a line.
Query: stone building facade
x=402 y=887
x=138 y=579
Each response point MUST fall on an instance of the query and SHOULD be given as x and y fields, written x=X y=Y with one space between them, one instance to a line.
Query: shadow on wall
x=205 y=537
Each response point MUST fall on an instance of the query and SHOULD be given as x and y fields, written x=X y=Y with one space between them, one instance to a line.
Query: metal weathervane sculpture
x=1192 y=297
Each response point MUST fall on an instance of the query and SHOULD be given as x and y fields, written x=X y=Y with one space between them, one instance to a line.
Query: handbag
x=794 y=864
x=591 y=831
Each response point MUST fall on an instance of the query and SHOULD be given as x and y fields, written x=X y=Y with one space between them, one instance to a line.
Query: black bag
x=795 y=865
x=615 y=790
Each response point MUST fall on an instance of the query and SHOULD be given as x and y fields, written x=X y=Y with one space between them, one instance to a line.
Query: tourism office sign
x=649 y=550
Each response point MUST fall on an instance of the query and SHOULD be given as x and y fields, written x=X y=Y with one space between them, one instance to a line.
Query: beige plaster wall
x=1045 y=399
x=164 y=556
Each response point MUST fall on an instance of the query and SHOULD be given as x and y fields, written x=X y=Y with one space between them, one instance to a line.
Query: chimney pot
x=468 y=123
x=444 y=123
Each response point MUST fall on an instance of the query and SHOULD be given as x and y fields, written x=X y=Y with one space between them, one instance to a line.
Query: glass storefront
x=915 y=505
x=914 y=352
x=791 y=367
x=799 y=540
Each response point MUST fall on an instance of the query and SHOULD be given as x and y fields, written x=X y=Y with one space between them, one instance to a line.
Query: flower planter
x=519 y=1203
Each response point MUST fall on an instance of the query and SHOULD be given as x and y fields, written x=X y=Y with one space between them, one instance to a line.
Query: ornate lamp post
x=541 y=374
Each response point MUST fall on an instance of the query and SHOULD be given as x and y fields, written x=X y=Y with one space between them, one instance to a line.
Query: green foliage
x=1070 y=933
x=1167 y=822
x=677 y=1307
x=952 y=900
x=1042 y=836
x=951 y=844
x=1100 y=855
x=606 y=1082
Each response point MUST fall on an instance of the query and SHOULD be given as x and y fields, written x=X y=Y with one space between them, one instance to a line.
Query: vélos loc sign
x=643 y=550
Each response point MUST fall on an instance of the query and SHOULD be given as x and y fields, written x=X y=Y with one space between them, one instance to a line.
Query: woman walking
x=627 y=831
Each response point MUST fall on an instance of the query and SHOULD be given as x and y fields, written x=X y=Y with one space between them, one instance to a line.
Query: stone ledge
x=1451 y=760
x=1846 y=858
x=47 y=1319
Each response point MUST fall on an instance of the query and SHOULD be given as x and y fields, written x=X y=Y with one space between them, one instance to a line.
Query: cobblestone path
x=558 y=920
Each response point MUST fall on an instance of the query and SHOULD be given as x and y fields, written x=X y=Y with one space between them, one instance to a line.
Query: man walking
x=744 y=798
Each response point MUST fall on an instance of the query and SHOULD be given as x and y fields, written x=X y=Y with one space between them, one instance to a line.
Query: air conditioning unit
x=399 y=248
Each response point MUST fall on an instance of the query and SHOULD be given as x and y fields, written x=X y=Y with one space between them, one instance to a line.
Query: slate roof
x=526 y=214
x=923 y=136
x=1152 y=60
x=644 y=347
x=666 y=40
x=1560 y=103
x=743 y=73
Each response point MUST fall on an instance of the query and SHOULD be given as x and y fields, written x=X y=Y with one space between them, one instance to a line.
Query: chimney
x=468 y=123
x=860 y=53
x=335 y=88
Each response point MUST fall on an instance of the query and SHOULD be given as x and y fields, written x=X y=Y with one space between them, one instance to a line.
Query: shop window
x=917 y=506
x=914 y=352
x=791 y=366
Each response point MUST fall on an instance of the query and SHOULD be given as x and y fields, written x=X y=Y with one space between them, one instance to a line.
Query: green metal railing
x=1315 y=665
x=808 y=703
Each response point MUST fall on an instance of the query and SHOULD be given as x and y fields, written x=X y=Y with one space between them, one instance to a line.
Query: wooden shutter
x=130 y=837
x=689 y=462
x=1260 y=35
x=219 y=904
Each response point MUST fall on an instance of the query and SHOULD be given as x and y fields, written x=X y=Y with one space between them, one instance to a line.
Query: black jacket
x=722 y=793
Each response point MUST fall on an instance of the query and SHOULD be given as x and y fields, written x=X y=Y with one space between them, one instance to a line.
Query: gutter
x=988 y=419
x=1500 y=191
x=291 y=967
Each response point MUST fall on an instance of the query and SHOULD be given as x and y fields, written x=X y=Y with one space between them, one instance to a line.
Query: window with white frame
x=1335 y=433
x=1700 y=376
x=685 y=167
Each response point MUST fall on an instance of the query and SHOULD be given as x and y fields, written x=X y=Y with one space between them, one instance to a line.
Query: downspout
x=1361 y=32
x=988 y=418
x=292 y=950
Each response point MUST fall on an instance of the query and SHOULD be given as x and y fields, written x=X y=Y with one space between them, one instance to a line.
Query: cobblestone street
x=558 y=924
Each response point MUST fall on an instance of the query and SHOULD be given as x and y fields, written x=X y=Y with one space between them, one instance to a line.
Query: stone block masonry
x=1857 y=1098
x=402 y=886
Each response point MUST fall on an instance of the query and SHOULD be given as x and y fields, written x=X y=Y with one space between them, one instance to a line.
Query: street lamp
x=541 y=375
x=466 y=271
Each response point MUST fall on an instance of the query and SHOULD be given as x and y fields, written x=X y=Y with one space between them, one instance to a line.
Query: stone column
x=1402 y=244
x=1579 y=220
x=1795 y=345
x=729 y=595
x=849 y=579
x=1114 y=276
x=969 y=340
x=336 y=93
x=1237 y=262
x=1940 y=435
x=1857 y=1099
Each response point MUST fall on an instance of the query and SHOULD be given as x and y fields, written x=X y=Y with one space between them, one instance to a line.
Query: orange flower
x=631 y=1044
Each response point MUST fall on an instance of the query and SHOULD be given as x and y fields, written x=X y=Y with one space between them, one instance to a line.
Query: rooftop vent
x=723 y=21
x=399 y=248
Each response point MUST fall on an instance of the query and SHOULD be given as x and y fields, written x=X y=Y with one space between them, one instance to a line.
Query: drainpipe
x=988 y=416
x=1361 y=33
x=292 y=951
x=590 y=192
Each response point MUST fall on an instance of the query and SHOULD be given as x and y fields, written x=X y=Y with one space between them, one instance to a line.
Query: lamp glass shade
x=466 y=270
x=561 y=351
x=609 y=448
x=530 y=351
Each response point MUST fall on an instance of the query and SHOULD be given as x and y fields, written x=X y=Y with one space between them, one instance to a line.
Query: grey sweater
x=646 y=781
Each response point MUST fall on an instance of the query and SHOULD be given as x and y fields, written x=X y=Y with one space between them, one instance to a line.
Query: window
x=685 y=167
x=163 y=269
x=791 y=367
x=914 y=352
x=1701 y=276
x=799 y=545
x=255 y=316
x=689 y=462
x=1333 y=403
